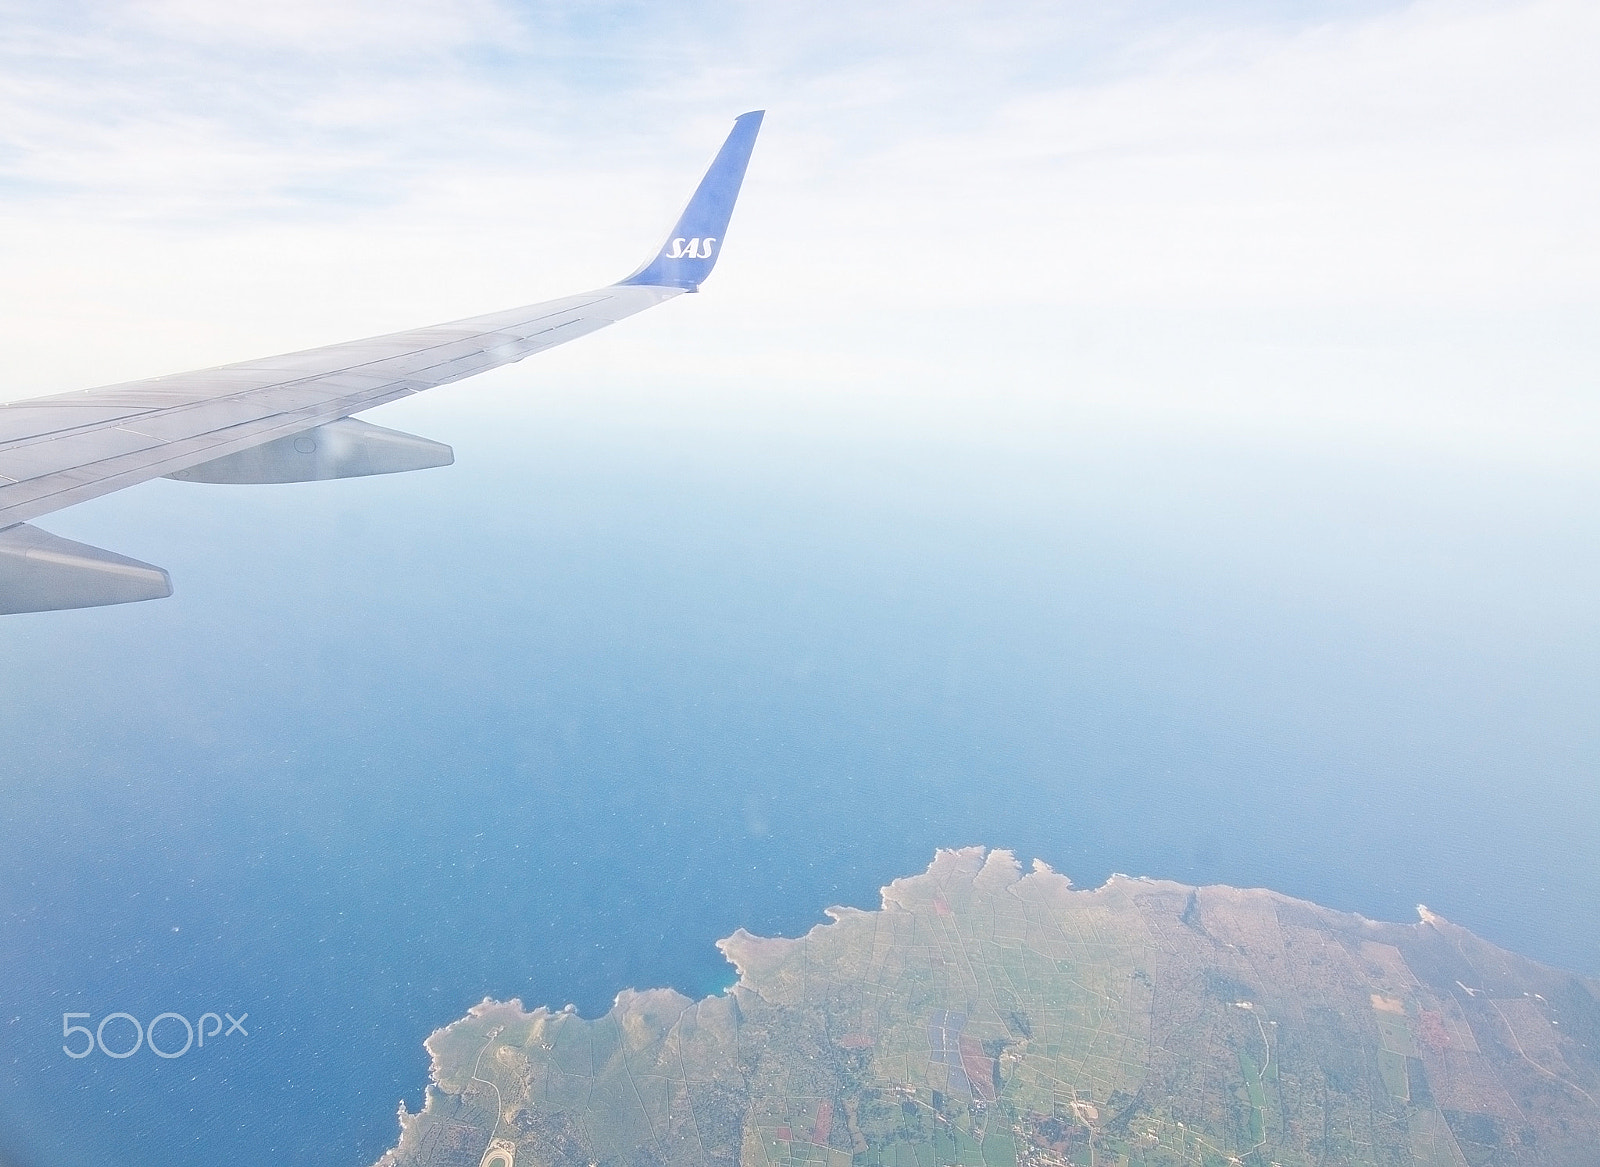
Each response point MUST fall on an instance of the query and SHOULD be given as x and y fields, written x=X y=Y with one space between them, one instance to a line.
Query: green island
x=984 y=1017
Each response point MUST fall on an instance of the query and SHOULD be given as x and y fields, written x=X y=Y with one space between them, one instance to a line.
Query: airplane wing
x=288 y=418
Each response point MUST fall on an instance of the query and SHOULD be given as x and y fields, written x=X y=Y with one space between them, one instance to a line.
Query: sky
x=1359 y=224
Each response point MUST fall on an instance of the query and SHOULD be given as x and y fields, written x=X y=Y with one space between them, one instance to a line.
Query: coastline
x=1252 y=934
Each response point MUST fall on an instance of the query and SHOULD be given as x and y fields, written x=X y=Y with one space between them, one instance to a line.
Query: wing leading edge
x=282 y=418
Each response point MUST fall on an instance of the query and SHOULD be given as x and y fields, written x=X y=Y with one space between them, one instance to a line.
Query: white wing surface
x=288 y=418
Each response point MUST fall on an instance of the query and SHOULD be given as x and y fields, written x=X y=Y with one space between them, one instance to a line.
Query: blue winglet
x=690 y=252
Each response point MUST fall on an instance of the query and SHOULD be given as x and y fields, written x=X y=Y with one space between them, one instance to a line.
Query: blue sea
x=548 y=723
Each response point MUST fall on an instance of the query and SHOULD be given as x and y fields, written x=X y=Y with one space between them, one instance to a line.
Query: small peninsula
x=985 y=1017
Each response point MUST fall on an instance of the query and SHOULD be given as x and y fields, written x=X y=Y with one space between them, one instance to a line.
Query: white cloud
x=1379 y=219
x=330 y=27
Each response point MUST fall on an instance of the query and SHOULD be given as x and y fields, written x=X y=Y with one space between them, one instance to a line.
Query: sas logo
x=690 y=248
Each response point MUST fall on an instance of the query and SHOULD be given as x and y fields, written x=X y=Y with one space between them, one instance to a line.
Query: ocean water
x=548 y=723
